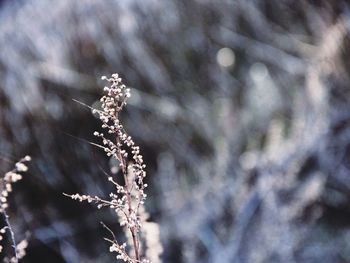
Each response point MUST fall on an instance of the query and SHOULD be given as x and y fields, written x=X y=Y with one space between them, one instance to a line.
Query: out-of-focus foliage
x=242 y=109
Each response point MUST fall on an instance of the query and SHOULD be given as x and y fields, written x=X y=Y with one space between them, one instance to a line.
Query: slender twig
x=133 y=231
x=5 y=188
x=12 y=235
x=109 y=230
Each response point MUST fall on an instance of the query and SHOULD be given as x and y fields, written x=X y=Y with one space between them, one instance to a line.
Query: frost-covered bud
x=21 y=167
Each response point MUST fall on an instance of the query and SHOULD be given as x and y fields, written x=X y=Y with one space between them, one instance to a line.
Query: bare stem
x=12 y=235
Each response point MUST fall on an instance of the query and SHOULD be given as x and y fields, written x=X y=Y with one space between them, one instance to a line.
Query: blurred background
x=241 y=109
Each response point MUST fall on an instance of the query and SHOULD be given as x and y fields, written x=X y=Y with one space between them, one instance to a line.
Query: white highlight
x=225 y=57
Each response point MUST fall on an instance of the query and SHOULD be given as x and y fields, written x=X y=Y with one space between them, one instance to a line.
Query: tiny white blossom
x=21 y=167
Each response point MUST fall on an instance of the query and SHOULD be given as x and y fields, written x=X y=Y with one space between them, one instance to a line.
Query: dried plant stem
x=5 y=188
x=12 y=235
x=128 y=199
x=136 y=246
x=133 y=230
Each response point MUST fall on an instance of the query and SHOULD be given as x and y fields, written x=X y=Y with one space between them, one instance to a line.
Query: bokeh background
x=241 y=109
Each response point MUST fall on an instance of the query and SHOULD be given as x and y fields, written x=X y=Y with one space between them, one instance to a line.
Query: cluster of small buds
x=20 y=250
x=122 y=254
x=116 y=95
x=130 y=196
x=82 y=198
x=115 y=203
x=6 y=182
x=121 y=250
x=10 y=178
x=2 y=233
x=112 y=103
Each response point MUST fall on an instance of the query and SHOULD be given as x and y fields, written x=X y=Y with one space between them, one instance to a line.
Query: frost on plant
x=128 y=199
x=11 y=177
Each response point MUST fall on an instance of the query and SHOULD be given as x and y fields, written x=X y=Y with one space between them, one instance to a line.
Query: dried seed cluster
x=129 y=197
x=6 y=182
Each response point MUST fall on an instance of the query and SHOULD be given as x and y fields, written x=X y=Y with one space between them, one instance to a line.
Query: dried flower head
x=128 y=197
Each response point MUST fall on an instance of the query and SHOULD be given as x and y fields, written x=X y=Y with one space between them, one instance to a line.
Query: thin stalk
x=12 y=235
x=132 y=230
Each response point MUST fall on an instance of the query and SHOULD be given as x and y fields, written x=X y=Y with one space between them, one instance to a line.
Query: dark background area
x=241 y=109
